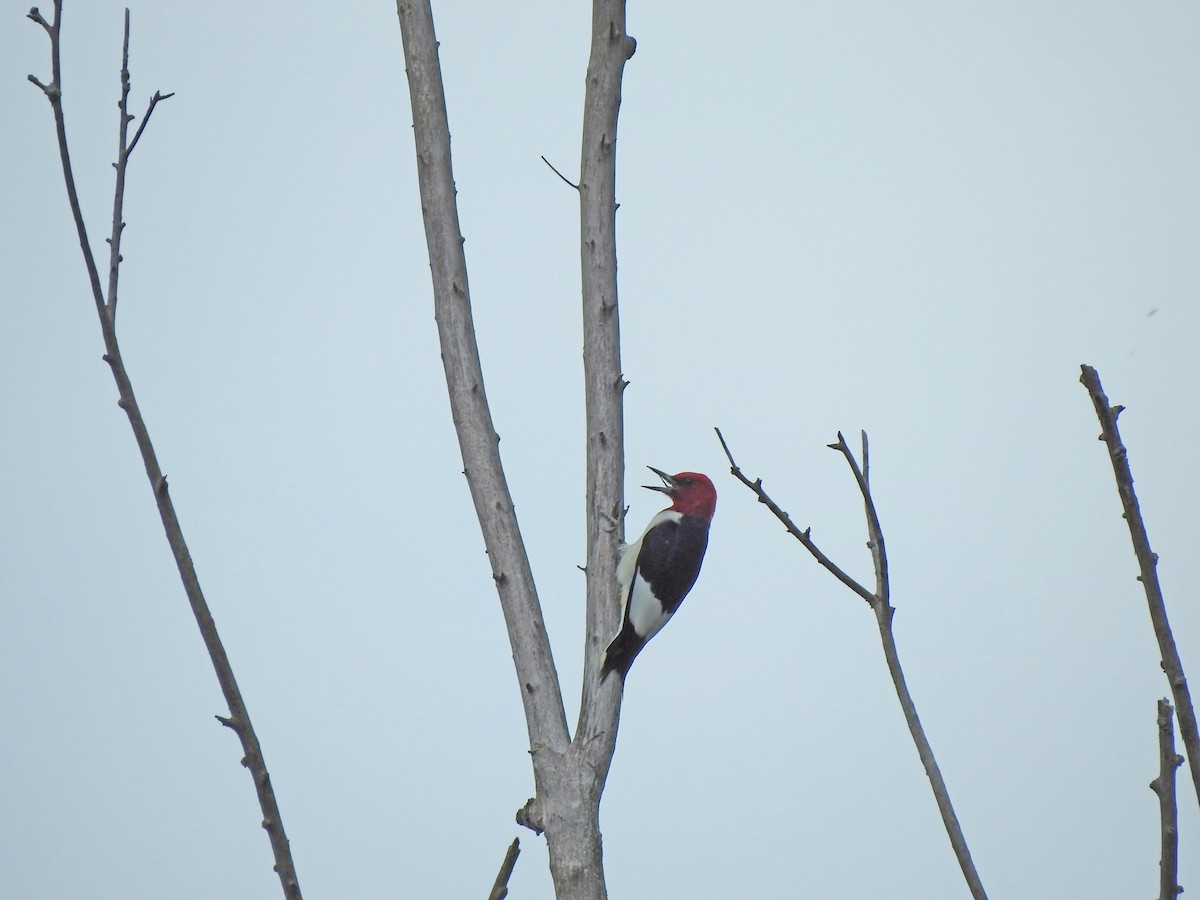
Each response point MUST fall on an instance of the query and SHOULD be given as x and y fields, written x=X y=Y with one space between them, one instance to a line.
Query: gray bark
x=569 y=775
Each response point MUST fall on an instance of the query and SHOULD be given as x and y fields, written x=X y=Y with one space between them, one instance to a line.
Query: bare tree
x=569 y=771
x=570 y=766
x=238 y=719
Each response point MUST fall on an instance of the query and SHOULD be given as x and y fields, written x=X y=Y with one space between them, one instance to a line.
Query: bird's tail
x=619 y=656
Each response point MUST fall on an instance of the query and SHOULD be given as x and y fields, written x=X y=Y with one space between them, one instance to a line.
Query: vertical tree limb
x=579 y=865
x=1168 y=813
x=566 y=801
x=1147 y=561
x=604 y=384
x=239 y=718
x=477 y=439
x=884 y=611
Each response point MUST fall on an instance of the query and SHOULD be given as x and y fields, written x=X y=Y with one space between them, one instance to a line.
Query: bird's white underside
x=644 y=610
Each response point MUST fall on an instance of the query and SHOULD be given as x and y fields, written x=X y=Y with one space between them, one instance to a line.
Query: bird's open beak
x=669 y=485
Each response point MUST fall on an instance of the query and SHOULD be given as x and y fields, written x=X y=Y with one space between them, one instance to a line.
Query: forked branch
x=879 y=599
x=1147 y=561
x=569 y=774
x=805 y=536
x=238 y=719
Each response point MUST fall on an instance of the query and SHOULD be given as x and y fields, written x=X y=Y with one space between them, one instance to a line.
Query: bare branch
x=53 y=93
x=804 y=537
x=239 y=718
x=560 y=174
x=37 y=17
x=874 y=529
x=545 y=715
x=500 y=888
x=118 y=220
x=49 y=90
x=604 y=386
x=1147 y=561
x=1168 y=814
x=154 y=101
x=883 y=615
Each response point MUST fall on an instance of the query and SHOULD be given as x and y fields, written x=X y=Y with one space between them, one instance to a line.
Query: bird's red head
x=691 y=493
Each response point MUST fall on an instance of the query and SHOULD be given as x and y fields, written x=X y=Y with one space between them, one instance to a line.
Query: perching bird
x=657 y=570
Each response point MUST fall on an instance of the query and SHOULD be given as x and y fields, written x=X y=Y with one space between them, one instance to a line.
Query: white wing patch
x=645 y=612
x=638 y=603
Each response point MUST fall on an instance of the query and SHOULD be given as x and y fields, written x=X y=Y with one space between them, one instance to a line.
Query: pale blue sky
x=917 y=221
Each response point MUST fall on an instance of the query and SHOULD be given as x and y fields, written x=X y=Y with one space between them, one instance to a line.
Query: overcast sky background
x=914 y=220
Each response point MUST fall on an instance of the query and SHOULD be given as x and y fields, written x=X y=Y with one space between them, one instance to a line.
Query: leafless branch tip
x=48 y=89
x=37 y=17
x=560 y=174
x=500 y=888
x=1147 y=561
x=154 y=101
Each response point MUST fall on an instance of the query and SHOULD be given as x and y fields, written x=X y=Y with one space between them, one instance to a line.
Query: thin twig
x=124 y=150
x=884 y=611
x=560 y=174
x=500 y=887
x=874 y=530
x=121 y=165
x=53 y=92
x=239 y=718
x=1168 y=813
x=1147 y=561
x=154 y=101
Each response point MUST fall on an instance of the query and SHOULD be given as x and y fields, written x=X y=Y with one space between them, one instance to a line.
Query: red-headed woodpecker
x=657 y=570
